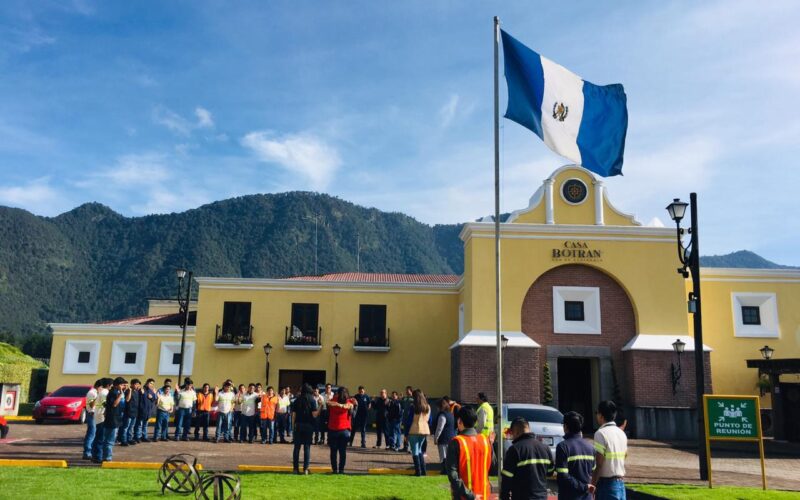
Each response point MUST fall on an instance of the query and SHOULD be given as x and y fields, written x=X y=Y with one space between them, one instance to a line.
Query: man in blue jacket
x=147 y=402
x=574 y=461
x=360 y=418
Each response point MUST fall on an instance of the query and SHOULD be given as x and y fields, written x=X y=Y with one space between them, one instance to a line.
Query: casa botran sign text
x=577 y=250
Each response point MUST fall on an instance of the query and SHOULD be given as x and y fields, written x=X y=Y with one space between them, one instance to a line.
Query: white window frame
x=590 y=296
x=165 y=366
x=71 y=350
x=118 y=351
x=767 y=304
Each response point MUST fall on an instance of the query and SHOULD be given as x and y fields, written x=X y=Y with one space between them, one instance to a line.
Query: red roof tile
x=425 y=279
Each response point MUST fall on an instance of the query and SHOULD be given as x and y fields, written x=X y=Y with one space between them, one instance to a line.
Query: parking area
x=648 y=461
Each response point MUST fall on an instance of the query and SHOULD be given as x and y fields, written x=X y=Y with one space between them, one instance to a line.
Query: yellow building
x=586 y=290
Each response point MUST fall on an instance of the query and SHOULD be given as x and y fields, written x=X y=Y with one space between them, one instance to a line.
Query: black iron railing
x=234 y=337
x=308 y=337
x=371 y=339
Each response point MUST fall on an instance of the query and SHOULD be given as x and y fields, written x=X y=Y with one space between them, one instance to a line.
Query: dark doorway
x=791 y=411
x=296 y=378
x=575 y=388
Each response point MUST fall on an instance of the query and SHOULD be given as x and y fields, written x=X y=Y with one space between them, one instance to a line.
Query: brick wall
x=474 y=370
x=651 y=380
x=618 y=324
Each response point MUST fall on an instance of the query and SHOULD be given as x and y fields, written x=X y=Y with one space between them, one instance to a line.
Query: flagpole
x=499 y=344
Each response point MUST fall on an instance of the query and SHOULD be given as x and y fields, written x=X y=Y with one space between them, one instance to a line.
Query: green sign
x=732 y=417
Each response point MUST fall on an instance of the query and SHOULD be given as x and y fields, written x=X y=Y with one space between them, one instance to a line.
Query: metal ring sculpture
x=219 y=486
x=179 y=475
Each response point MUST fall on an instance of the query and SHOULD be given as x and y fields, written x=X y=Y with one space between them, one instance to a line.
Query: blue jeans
x=88 y=440
x=283 y=420
x=97 y=443
x=224 y=426
x=162 y=425
x=267 y=431
x=610 y=489
x=359 y=426
x=245 y=428
x=128 y=425
x=237 y=417
x=395 y=435
x=183 y=420
x=109 y=437
x=140 y=431
x=338 y=441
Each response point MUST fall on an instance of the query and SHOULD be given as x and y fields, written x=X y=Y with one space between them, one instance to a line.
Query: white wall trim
x=165 y=366
x=110 y=328
x=245 y=286
x=660 y=342
x=748 y=272
x=590 y=296
x=488 y=338
x=118 y=365
x=599 y=219
x=767 y=304
x=117 y=335
x=70 y=360
x=473 y=229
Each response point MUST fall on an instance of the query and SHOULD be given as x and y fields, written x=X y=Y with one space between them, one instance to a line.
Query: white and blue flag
x=575 y=118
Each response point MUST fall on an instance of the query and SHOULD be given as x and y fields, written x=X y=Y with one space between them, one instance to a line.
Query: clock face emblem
x=574 y=191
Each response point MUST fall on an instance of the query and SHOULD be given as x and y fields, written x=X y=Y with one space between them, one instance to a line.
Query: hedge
x=17 y=367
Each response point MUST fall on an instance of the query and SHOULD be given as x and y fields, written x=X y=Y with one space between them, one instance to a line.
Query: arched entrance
x=581 y=318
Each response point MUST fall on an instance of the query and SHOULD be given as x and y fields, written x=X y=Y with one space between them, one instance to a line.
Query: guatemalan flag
x=576 y=119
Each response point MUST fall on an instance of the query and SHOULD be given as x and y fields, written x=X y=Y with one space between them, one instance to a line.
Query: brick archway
x=617 y=325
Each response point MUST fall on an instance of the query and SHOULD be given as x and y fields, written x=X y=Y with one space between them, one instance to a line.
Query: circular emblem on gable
x=574 y=191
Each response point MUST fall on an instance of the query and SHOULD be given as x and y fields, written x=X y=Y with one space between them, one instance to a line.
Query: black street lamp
x=336 y=351
x=766 y=352
x=678 y=346
x=267 y=350
x=183 y=307
x=689 y=256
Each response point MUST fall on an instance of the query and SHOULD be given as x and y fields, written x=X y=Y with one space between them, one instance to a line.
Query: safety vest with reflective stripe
x=489 y=424
x=474 y=461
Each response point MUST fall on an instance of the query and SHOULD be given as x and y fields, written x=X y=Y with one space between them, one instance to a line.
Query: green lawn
x=685 y=491
x=36 y=483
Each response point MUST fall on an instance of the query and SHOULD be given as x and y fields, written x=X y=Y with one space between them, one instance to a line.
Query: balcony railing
x=303 y=338
x=234 y=337
x=378 y=340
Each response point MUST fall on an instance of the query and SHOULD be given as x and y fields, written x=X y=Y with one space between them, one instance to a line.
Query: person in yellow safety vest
x=485 y=423
x=470 y=455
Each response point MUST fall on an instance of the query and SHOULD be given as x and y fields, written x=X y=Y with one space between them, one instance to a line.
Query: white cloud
x=136 y=170
x=31 y=196
x=448 y=111
x=301 y=154
x=204 y=119
x=180 y=125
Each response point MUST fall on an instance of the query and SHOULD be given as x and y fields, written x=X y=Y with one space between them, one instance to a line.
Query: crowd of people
x=119 y=412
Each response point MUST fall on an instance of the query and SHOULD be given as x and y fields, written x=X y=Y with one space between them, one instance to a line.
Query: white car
x=545 y=422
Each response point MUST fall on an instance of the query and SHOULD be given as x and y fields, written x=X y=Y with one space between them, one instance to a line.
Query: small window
x=573 y=310
x=176 y=358
x=83 y=356
x=130 y=358
x=305 y=318
x=751 y=315
x=372 y=324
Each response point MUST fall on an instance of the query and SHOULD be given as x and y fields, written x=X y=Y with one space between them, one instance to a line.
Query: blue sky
x=154 y=107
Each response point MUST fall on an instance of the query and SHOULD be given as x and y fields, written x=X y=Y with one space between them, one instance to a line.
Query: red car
x=65 y=404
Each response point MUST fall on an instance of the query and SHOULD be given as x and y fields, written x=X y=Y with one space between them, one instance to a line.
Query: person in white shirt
x=99 y=415
x=282 y=414
x=183 y=418
x=610 y=451
x=326 y=396
x=246 y=429
x=88 y=439
x=225 y=401
x=165 y=403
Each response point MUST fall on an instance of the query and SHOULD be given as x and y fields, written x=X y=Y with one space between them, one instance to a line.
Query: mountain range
x=93 y=264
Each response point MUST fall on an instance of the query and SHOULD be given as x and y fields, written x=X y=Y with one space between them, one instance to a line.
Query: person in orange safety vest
x=469 y=458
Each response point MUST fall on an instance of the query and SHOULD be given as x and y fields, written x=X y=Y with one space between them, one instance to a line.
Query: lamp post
x=766 y=352
x=504 y=341
x=336 y=351
x=183 y=308
x=689 y=257
x=678 y=347
x=267 y=350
